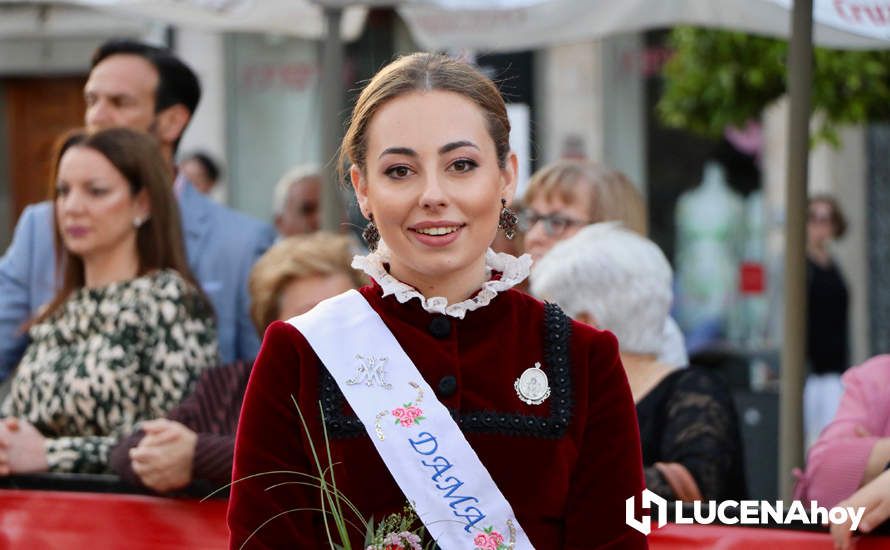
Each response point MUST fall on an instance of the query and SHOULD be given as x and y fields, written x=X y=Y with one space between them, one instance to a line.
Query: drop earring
x=370 y=234
x=507 y=220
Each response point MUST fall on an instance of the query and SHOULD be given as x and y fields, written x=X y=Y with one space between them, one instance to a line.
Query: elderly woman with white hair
x=617 y=280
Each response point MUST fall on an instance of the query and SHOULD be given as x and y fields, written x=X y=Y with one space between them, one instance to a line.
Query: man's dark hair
x=177 y=82
x=210 y=166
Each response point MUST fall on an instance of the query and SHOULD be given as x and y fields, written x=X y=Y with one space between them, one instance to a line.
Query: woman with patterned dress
x=128 y=332
x=196 y=440
x=521 y=421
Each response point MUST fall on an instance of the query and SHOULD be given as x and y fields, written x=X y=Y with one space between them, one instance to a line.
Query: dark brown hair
x=159 y=241
x=422 y=72
x=838 y=220
x=177 y=82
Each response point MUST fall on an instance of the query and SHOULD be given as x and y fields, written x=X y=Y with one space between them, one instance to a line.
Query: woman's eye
x=98 y=191
x=61 y=190
x=463 y=165
x=398 y=172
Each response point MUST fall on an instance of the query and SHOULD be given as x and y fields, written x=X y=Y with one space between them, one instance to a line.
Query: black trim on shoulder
x=557 y=336
x=339 y=424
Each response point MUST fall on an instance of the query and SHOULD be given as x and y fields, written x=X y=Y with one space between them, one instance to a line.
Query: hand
x=164 y=459
x=875 y=497
x=22 y=448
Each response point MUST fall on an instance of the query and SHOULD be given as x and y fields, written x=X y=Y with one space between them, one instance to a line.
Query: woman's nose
x=73 y=202
x=433 y=195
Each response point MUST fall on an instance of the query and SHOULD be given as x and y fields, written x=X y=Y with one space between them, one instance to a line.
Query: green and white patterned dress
x=108 y=358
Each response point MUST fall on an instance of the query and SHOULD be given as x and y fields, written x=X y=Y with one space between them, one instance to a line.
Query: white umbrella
x=302 y=18
x=505 y=25
x=509 y=25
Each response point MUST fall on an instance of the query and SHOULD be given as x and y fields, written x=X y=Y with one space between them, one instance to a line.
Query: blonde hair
x=613 y=196
x=292 y=259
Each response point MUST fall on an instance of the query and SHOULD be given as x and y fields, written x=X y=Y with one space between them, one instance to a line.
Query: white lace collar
x=513 y=271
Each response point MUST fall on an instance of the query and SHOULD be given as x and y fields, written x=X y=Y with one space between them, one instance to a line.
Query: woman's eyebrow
x=448 y=147
x=398 y=151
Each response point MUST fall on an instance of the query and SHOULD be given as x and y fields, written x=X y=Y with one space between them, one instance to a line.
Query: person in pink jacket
x=855 y=448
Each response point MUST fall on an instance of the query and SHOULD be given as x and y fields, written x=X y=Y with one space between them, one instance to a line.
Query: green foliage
x=717 y=79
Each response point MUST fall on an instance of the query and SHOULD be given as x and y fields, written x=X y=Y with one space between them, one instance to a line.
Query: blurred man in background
x=298 y=201
x=145 y=88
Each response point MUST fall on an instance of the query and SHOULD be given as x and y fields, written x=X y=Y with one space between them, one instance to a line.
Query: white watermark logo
x=652 y=502
x=737 y=512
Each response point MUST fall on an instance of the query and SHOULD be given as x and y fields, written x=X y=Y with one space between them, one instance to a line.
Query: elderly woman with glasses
x=566 y=195
x=569 y=194
x=616 y=280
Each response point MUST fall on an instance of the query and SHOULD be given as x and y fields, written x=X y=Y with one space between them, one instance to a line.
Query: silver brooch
x=532 y=386
x=370 y=372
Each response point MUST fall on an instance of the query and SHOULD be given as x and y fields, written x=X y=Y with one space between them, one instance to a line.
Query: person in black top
x=827 y=316
x=616 y=280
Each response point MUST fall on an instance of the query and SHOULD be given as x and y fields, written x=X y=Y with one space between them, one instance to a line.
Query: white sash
x=421 y=444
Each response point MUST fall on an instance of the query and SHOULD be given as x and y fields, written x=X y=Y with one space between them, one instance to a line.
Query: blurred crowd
x=132 y=306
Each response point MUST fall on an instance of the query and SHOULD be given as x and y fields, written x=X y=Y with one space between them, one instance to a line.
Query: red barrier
x=688 y=537
x=95 y=521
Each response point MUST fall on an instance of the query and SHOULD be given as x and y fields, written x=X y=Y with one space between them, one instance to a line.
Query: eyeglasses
x=554 y=224
x=819 y=217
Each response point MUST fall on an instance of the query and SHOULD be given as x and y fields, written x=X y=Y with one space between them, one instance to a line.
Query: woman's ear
x=143 y=204
x=360 y=186
x=509 y=175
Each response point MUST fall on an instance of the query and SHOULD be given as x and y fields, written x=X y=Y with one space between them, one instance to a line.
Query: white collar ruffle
x=513 y=271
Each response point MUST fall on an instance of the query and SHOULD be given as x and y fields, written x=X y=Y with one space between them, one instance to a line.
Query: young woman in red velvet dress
x=432 y=170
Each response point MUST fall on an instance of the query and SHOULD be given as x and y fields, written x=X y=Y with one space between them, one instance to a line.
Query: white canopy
x=302 y=18
x=508 y=25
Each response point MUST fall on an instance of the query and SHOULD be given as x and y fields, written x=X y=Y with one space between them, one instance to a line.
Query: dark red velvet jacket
x=566 y=466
